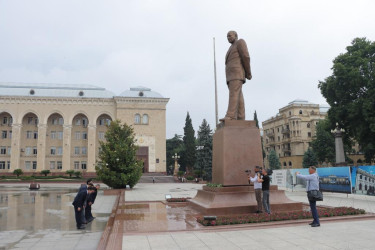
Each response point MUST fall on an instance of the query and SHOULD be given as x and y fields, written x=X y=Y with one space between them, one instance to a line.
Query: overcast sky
x=168 y=47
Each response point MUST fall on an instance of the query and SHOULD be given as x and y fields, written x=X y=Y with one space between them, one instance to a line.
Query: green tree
x=350 y=91
x=204 y=152
x=273 y=160
x=173 y=145
x=309 y=159
x=188 y=156
x=45 y=172
x=323 y=143
x=118 y=165
x=18 y=172
x=77 y=174
x=69 y=172
x=256 y=119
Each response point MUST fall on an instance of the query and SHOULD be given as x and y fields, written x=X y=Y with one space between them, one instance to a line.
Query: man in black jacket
x=90 y=200
x=78 y=204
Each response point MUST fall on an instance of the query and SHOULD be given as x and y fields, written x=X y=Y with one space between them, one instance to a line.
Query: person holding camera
x=313 y=184
x=257 y=187
x=265 y=180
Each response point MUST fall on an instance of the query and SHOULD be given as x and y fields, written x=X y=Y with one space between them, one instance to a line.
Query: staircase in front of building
x=158 y=177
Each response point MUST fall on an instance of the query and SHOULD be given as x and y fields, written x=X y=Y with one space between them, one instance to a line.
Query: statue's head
x=232 y=36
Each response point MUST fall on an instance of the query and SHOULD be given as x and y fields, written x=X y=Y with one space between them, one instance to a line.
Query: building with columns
x=58 y=127
x=290 y=132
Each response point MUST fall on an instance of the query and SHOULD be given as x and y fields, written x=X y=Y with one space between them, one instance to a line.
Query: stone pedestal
x=236 y=148
x=238 y=200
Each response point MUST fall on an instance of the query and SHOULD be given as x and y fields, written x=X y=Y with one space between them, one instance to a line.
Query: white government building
x=58 y=126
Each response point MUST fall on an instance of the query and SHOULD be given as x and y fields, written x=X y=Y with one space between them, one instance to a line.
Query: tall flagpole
x=216 y=109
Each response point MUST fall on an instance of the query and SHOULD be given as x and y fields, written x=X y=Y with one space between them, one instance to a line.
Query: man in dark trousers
x=84 y=188
x=78 y=204
x=90 y=201
x=265 y=180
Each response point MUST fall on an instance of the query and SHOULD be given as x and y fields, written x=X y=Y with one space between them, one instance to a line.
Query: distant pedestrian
x=153 y=179
x=90 y=201
x=265 y=180
x=312 y=184
x=257 y=187
x=78 y=204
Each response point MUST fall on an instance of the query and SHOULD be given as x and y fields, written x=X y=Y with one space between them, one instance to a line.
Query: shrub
x=27 y=178
x=77 y=174
x=214 y=185
x=45 y=172
x=190 y=178
x=69 y=172
x=180 y=173
x=18 y=172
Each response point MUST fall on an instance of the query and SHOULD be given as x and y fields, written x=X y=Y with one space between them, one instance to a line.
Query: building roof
x=53 y=90
x=141 y=92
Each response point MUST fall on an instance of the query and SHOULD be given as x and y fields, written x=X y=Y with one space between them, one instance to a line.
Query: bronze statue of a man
x=237 y=69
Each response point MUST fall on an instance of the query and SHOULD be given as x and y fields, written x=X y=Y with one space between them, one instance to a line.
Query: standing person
x=90 y=201
x=78 y=204
x=257 y=188
x=265 y=180
x=84 y=188
x=312 y=184
x=237 y=69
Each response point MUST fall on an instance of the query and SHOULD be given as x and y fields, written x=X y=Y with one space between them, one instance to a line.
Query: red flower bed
x=178 y=199
x=278 y=216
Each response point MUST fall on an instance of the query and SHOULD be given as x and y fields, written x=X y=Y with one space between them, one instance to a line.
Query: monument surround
x=236 y=148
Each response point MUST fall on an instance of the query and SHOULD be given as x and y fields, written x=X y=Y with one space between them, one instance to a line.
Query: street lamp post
x=175 y=157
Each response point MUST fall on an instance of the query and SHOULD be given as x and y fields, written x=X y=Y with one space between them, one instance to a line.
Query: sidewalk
x=331 y=235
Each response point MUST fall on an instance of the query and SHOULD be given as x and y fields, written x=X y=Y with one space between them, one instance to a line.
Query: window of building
x=77 y=135
x=35 y=150
x=27 y=164
x=84 y=135
x=308 y=134
x=59 y=165
x=290 y=113
x=29 y=120
x=5 y=120
x=78 y=122
x=60 y=135
x=29 y=134
x=108 y=121
x=52 y=165
x=9 y=150
x=35 y=134
x=59 y=150
x=290 y=163
x=54 y=121
x=53 y=150
x=8 y=164
x=284 y=164
x=61 y=121
x=10 y=134
x=137 y=119
x=76 y=150
x=101 y=135
x=83 y=165
x=2 y=164
x=36 y=121
x=145 y=119
x=308 y=125
x=84 y=150
x=76 y=165
x=102 y=122
x=84 y=122
x=28 y=151
x=3 y=150
x=300 y=112
x=4 y=134
x=34 y=165
x=53 y=134
x=278 y=138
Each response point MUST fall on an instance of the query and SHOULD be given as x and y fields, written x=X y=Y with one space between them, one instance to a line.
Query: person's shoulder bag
x=314 y=195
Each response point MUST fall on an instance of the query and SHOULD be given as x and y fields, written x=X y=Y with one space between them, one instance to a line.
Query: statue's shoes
x=226 y=118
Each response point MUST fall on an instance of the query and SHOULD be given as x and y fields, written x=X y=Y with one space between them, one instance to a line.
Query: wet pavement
x=44 y=219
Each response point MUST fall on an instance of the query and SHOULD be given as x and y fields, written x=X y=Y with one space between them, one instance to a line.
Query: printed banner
x=363 y=180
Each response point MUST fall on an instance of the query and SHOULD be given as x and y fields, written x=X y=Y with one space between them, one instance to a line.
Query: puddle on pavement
x=22 y=209
x=158 y=217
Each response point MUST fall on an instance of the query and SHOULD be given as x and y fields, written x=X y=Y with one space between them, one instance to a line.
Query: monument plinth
x=236 y=148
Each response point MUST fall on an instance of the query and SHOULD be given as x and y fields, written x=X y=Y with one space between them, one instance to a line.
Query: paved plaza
x=351 y=234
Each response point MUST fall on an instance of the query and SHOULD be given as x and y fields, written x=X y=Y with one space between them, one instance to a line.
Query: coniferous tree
x=204 y=153
x=256 y=119
x=273 y=160
x=118 y=165
x=309 y=159
x=188 y=156
x=174 y=145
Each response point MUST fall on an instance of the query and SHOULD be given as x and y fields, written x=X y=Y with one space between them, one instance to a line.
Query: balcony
x=270 y=134
x=286 y=150
x=285 y=131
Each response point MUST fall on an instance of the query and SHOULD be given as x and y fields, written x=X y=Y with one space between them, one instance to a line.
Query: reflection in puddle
x=21 y=209
x=157 y=216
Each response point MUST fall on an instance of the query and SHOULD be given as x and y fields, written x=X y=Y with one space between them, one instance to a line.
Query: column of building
x=41 y=147
x=91 y=148
x=67 y=128
x=16 y=146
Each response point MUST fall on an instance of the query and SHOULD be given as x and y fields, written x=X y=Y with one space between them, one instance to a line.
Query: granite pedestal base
x=238 y=200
